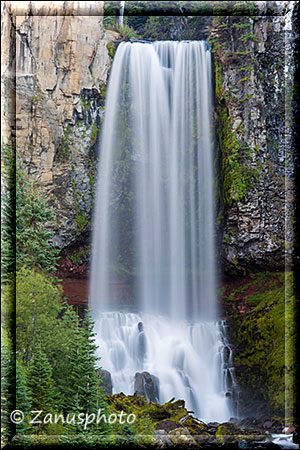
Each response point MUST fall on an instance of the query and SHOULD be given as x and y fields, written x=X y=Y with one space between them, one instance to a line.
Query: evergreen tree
x=8 y=399
x=23 y=401
x=8 y=212
x=40 y=382
x=38 y=305
x=25 y=237
x=82 y=393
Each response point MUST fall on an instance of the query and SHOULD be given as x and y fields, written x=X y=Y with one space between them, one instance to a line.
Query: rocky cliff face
x=62 y=62
x=254 y=77
x=55 y=66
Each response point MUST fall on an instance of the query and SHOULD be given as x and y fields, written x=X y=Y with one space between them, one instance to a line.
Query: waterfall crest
x=153 y=254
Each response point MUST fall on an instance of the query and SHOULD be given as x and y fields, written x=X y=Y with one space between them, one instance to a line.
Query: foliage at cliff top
x=177 y=8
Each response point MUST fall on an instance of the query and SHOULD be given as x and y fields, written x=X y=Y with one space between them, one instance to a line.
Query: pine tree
x=8 y=212
x=25 y=237
x=40 y=382
x=23 y=401
x=8 y=399
x=82 y=393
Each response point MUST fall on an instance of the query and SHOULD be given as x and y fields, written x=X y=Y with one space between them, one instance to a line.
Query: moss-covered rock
x=196 y=427
x=263 y=332
x=167 y=425
x=149 y=416
x=182 y=437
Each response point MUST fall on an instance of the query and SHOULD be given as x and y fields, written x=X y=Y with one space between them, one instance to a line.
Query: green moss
x=80 y=219
x=111 y=49
x=237 y=174
x=237 y=171
x=149 y=414
x=246 y=68
x=77 y=256
x=94 y=133
x=85 y=104
x=63 y=151
x=264 y=339
x=37 y=97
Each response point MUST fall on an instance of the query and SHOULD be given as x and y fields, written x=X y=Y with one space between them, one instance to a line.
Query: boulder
x=252 y=445
x=268 y=424
x=288 y=430
x=182 y=437
x=147 y=385
x=195 y=426
x=104 y=380
x=247 y=422
x=167 y=425
x=227 y=428
x=161 y=439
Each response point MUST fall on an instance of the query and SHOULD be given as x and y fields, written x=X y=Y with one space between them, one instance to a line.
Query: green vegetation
x=263 y=331
x=158 y=27
x=80 y=218
x=148 y=415
x=63 y=151
x=78 y=256
x=237 y=175
x=52 y=359
x=26 y=223
x=246 y=8
x=56 y=362
x=237 y=157
x=111 y=49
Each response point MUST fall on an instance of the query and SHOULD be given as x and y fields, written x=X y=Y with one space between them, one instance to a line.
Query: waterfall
x=153 y=281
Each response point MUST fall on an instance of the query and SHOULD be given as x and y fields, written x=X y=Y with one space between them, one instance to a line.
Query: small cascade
x=230 y=385
x=186 y=362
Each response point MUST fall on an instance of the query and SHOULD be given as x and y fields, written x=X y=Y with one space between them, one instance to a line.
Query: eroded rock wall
x=60 y=54
x=55 y=66
x=254 y=81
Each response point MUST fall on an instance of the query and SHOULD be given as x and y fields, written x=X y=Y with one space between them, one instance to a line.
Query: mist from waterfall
x=153 y=275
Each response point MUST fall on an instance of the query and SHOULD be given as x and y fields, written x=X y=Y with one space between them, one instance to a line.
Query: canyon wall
x=254 y=66
x=56 y=58
x=55 y=66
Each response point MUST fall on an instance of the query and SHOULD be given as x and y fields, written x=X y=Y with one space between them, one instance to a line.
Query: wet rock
x=182 y=438
x=268 y=424
x=266 y=445
x=226 y=429
x=195 y=426
x=288 y=430
x=147 y=385
x=212 y=427
x=104 y=379
x=213 y=424
x=233 y=420
x=161 y=439
x=251 y=445
x=167 y=425
x=247 y=422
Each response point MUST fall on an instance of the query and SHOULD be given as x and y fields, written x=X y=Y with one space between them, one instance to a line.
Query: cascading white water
x=154 y=226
